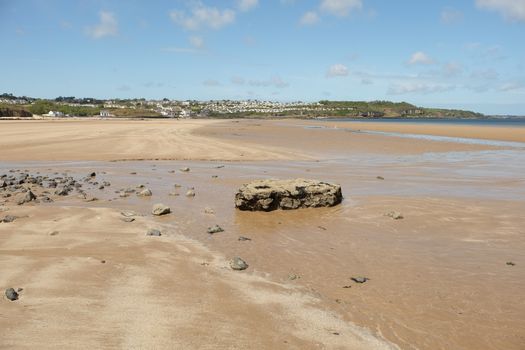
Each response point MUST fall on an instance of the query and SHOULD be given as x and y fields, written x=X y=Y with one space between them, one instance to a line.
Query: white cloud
x=340 y=8
x=418 y=88
x=197 y=42
x=203 y=16
x=247 y=5
x=108 y=26
x=510 y=9
x=420 y=58
x=309 y=18
x=451 y=16
x=337 y=70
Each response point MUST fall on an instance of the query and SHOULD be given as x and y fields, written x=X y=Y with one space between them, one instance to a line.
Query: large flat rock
x=267 y=195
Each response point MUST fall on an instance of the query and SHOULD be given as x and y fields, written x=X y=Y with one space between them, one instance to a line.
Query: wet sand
x=438 y=278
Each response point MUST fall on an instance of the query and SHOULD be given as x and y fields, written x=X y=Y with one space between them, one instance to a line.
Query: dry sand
x=438 y=278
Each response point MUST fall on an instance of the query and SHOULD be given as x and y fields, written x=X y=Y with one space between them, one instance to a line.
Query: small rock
x=93 y=174
x=154 y=232
x=145 y=193
x=128 y=214
x=380 y=178
x=243 y=239
x=215 y=229
x=9 y=218
x=209 y=211
x=11 y=294
x=173 y=194
x=359 y=279
x=238 y=264
x=62 y=191
x=127 y=219
x=53 y=233
x=293 y=277
x=185 y=169
x=395 y=215
x=102 y=261
x=510 y=263
x=346 y=287
x=190 y=193
x=160 y=209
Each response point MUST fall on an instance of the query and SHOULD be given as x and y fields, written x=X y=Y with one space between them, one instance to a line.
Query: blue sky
x=457 y=54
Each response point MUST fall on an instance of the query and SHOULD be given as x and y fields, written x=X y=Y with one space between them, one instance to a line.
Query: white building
x=105 y=113
x=54 y=114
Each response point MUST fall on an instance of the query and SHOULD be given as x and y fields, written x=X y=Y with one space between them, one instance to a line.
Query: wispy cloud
x=340 y=8
x=309 y=18
x=451 y=16
x=202 y=16
x=337 y=70
x=197 y=42
x=107 y=26
x=509 y=9
x=211 y=82
x=247 y=5
x=276 y=81
x=418 y=88
x=420 y=58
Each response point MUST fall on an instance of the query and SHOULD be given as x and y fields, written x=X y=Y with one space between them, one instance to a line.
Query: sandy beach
x=449 y=275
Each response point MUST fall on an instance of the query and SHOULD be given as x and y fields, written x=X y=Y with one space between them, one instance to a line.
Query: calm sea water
x=518 y=121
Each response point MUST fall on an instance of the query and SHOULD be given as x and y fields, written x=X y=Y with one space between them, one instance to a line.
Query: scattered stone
x=510 y=263
x=219 y=167
x=322 y=228
x=215 y=229
x=93 y=174
x=243 y=239
x=9 y=218
x=133 y=173
x=127 y=219
x=154 y=232
x=160 y=209
x=102 y=261
x=238 y=264
x=394 y=215
x=214 y=176
x=190 y=193
x=28 y=197
x=293 y=277
x=177 y=185
x=360 y=279
x=380 y=178
x=145 y=193
x=185 y=169
x=346 y=287
x=11 y=294
x=128 y=214
x=174 y=194
x=209 y=211
x=62 y=191
x=267 y=195
x=53 y=233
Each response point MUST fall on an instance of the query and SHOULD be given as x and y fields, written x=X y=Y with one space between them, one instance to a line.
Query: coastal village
x=61 y=107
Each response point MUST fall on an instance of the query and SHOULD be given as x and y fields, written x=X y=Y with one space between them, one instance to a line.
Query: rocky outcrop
x=267 y=195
